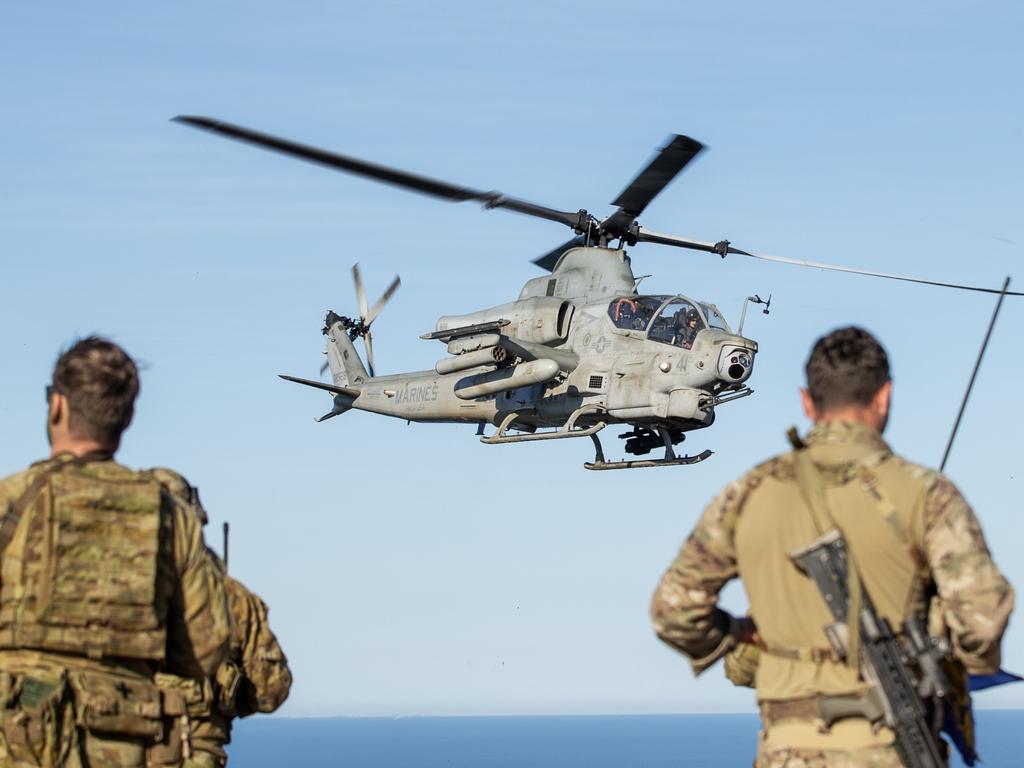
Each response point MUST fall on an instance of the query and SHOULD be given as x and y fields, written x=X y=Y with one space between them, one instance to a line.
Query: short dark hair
x=100 y=382
x=846 y=367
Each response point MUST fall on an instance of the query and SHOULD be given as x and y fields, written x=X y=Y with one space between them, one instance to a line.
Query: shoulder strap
x=15 y=510
x=884 y=505
x=888 y=511
x=813 y=491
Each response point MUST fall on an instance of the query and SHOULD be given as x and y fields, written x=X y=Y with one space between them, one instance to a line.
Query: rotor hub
x=355 y=327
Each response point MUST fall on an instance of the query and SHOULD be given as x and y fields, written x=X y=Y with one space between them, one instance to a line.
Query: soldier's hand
x=744 y=630
x=741 y=665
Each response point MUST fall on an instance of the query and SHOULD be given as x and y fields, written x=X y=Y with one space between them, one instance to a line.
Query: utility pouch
x=118 y=706
x=185 y=695
x=185 y=703
x=36 y=720
x=228 y=678
x=174 y=744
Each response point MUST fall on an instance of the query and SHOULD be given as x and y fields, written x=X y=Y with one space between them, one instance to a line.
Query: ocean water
x=707 y=741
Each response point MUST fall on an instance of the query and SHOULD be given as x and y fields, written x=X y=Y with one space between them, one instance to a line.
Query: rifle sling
x=813 y=491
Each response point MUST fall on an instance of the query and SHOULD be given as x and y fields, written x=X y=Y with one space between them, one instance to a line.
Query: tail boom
x=346 y=367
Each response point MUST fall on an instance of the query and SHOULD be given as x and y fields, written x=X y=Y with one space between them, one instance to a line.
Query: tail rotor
x=361 y=328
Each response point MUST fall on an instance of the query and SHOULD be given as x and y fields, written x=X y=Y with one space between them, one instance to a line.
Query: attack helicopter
x=579 y=350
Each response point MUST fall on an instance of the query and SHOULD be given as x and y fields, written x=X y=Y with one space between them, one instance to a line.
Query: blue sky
x=411 y=569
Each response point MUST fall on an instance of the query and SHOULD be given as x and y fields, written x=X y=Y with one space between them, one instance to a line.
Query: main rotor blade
x=550 y=259
x=647 y=236
x=383 y=300
x=368 y=343
x=357 y=278
x=682 y=242
x=658 y=174
x=382 y=173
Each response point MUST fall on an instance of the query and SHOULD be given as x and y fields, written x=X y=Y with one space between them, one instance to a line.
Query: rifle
x=902 y=675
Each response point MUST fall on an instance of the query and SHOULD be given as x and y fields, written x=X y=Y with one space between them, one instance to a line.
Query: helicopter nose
x=735 y=363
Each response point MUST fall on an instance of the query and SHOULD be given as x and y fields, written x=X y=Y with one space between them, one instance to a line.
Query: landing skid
x=641 y=463
x=670 y=460
x=567 y=430
x=570 y=430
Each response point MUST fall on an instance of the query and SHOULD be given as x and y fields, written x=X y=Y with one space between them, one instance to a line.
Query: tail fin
x=346 y=367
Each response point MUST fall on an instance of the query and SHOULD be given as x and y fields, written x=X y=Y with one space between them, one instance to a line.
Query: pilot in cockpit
x=623 y=313
x=630 y=314
x=642 y=316
x=687 y=324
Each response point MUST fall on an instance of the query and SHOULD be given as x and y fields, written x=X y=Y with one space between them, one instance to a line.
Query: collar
x=65 y=457
x=840 y=436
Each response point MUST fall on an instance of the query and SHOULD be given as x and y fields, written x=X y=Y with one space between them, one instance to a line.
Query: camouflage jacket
x=265 y=677
x=254 y=675
x=253 y=678
x=747 y=530
x=189 y=593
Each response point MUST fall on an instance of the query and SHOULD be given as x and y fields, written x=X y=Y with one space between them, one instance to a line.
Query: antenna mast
x=974 y=374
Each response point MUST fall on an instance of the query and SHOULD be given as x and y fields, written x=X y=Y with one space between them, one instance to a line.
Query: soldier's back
x=92 y=584
x=877 y=499
x=918 y=549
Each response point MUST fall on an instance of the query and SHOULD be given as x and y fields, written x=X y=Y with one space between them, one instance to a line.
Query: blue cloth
x=952 y=729
x=981 y=682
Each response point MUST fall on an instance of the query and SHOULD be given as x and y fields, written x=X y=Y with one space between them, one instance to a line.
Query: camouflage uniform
x=920 y=551
x=254 y=676
x=105 y=580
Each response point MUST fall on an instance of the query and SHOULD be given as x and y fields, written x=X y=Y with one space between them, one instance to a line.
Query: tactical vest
x=878 y=500
x=79 y=575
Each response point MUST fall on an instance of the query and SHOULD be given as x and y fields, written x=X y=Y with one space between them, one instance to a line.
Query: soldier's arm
x=199 y=626
x=976 y=598
x=267 y=677
x=685 y=608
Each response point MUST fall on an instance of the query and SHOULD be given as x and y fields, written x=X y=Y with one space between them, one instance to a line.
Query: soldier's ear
x=809 y=410
x=58 y=409
x=882 y=401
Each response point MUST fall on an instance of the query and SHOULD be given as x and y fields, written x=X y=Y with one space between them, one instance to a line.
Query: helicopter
x=579 y=350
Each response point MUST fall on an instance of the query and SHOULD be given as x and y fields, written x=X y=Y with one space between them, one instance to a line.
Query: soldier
x=104 y=580
x=253 y=678
x=918 y=547
x=687 y=327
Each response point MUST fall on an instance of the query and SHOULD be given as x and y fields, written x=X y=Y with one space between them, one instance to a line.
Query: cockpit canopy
x=667 y=319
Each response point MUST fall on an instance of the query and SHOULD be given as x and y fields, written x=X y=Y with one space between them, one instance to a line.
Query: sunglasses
x=51 y=390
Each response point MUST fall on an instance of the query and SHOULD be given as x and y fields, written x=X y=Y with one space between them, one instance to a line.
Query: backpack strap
x=12 y=516
x=15 y=510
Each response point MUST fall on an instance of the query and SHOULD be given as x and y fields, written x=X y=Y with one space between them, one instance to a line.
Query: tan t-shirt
x=932 y=543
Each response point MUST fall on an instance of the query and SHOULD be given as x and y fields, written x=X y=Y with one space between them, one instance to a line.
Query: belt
x=808 y=708
x=824 y=709
x=813 y=655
